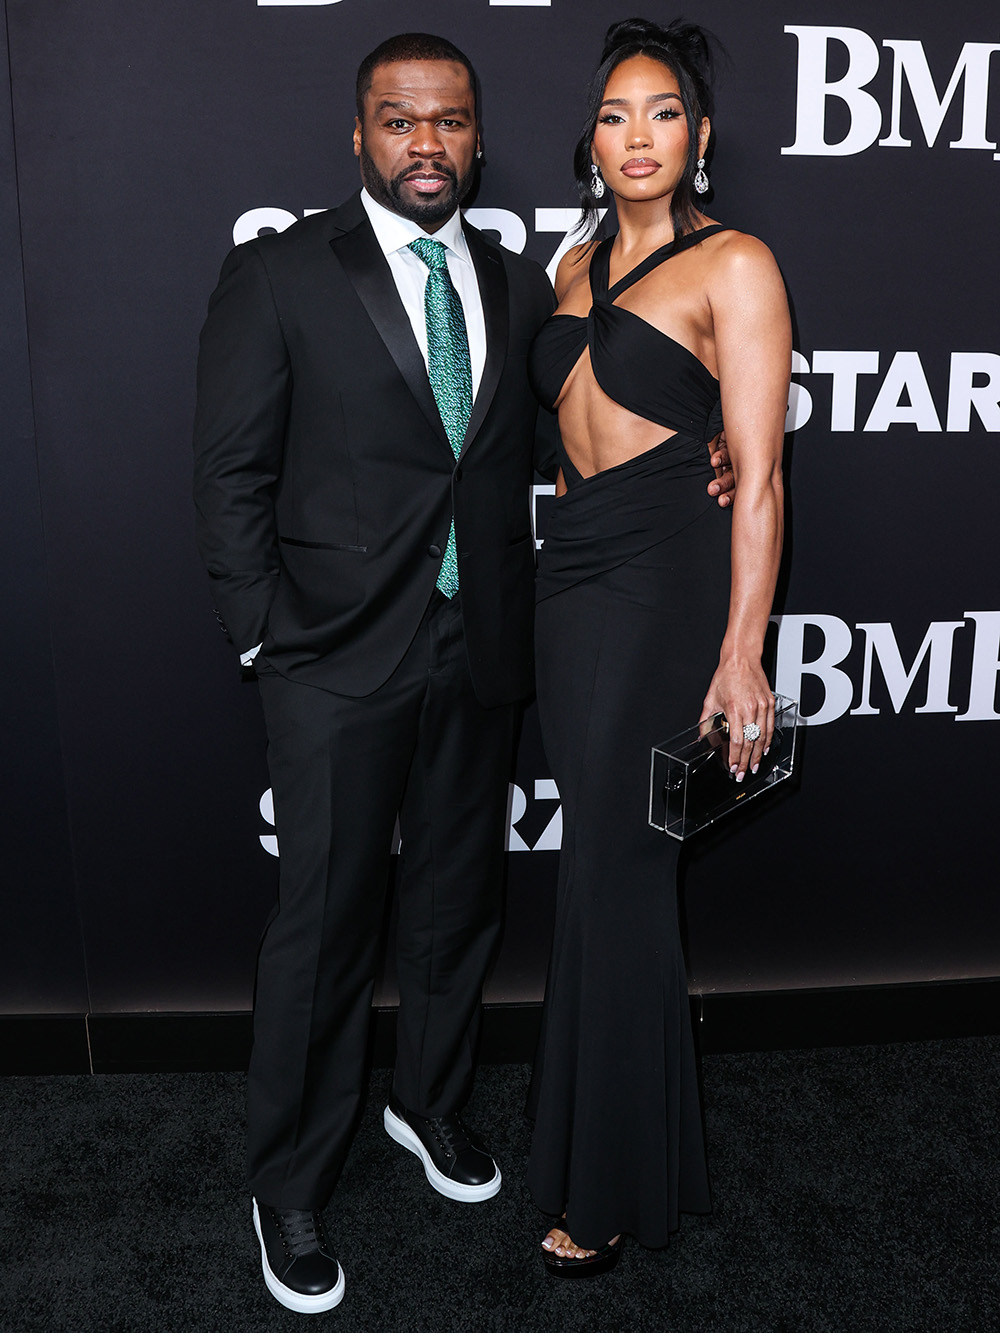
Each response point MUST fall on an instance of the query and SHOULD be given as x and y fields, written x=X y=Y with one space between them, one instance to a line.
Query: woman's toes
x=570 y=1250
x=559 y=1243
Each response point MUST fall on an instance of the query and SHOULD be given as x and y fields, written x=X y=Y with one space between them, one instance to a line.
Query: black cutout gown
x=632 y=604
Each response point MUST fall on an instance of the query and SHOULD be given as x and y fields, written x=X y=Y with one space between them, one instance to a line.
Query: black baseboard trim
x=730 y=1023
x=44 y=1044
x=847 y=1015
x=169 y=1043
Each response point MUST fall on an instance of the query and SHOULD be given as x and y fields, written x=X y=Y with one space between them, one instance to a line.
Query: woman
x=647 y=594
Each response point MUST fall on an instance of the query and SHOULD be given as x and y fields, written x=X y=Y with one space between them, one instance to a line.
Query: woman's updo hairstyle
x=684 y=49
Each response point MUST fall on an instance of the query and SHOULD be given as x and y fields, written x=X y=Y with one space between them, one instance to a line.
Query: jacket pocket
x=321 y=546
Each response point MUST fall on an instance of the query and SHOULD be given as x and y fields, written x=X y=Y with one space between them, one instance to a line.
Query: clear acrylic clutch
x=690 y=784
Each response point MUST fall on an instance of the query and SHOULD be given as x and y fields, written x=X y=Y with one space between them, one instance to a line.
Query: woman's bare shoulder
x=573 y=268
x=744 y=287
x=738 y=255
x=742 y=273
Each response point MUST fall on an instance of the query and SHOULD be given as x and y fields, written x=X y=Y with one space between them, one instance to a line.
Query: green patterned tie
x=449 y=370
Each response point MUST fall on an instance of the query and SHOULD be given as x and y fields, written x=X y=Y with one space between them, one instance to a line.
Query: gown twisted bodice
x=643 y=370
x=606 y=519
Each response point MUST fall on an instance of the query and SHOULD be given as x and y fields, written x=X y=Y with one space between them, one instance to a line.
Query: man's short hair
x=411 y=46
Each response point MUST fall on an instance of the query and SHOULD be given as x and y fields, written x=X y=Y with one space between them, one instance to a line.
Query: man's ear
x=357 y=137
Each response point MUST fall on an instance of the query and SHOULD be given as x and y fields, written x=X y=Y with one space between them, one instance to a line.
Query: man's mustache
x=438 y=168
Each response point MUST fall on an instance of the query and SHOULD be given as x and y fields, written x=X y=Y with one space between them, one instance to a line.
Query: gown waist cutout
x=682 y=395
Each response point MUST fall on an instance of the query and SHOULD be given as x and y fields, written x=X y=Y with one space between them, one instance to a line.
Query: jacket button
x=458 y=474
x=435 y=552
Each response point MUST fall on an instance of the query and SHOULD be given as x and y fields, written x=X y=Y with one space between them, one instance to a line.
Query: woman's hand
x=739 y=689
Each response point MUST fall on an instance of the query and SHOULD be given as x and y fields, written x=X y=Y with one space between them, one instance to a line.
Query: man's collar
x=394 y=232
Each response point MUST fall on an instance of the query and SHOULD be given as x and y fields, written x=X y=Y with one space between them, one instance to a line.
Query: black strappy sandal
x=601 y=1261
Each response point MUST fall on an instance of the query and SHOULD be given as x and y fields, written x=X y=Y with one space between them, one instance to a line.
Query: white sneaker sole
x=400 y=1131
x=294 y=1300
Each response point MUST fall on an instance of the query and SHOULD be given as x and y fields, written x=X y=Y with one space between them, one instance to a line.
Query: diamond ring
x=751 y=732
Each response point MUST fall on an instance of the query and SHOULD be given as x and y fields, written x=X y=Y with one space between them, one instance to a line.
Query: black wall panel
x=147 y=134
x=41 y=955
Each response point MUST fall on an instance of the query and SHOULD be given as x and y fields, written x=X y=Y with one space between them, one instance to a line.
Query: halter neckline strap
x=601 y=265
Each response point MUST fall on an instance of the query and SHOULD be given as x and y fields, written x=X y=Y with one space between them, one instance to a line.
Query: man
x=363 y=445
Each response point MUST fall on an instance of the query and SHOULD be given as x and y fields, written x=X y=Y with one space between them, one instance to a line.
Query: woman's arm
x=753 y=347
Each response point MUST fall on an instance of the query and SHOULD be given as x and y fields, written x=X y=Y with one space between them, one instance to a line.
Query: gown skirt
x=633 y=599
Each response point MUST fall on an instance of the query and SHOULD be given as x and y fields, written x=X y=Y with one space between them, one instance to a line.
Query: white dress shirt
x=409 y=273
x=394 y=234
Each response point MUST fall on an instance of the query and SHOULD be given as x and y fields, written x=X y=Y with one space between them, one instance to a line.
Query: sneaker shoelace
x=301 y=1231
x=451 y=1134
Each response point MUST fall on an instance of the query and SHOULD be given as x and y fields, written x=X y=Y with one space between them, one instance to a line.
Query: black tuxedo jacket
x=324 y=480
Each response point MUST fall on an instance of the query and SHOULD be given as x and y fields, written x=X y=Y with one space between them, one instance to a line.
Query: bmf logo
x=910 y=66
x=975 y=680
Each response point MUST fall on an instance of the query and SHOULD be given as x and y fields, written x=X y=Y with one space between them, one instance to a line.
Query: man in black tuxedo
x=326 y=487
x=364 y=445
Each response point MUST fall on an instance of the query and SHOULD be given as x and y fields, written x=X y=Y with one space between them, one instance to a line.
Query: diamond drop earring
x=701 y=180
x=597 y=186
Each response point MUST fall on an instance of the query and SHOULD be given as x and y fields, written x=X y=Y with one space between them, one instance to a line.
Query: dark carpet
x=855 y=1189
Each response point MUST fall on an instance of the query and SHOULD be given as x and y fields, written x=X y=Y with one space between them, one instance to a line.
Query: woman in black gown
x=647 y=595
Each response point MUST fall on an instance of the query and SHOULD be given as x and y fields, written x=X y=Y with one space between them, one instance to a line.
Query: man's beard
x=389 y=191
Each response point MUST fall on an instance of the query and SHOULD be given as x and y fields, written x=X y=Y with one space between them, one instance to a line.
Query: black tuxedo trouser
x=340 y=770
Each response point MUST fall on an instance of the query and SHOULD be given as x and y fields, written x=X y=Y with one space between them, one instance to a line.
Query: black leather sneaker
x=455 y=1161
x=300 y=1269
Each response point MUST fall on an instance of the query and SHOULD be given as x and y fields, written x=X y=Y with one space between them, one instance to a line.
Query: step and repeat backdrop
x=140 y=142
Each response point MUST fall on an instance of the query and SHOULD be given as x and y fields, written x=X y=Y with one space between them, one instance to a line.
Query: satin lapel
x=492 y=279
x=364 y=263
